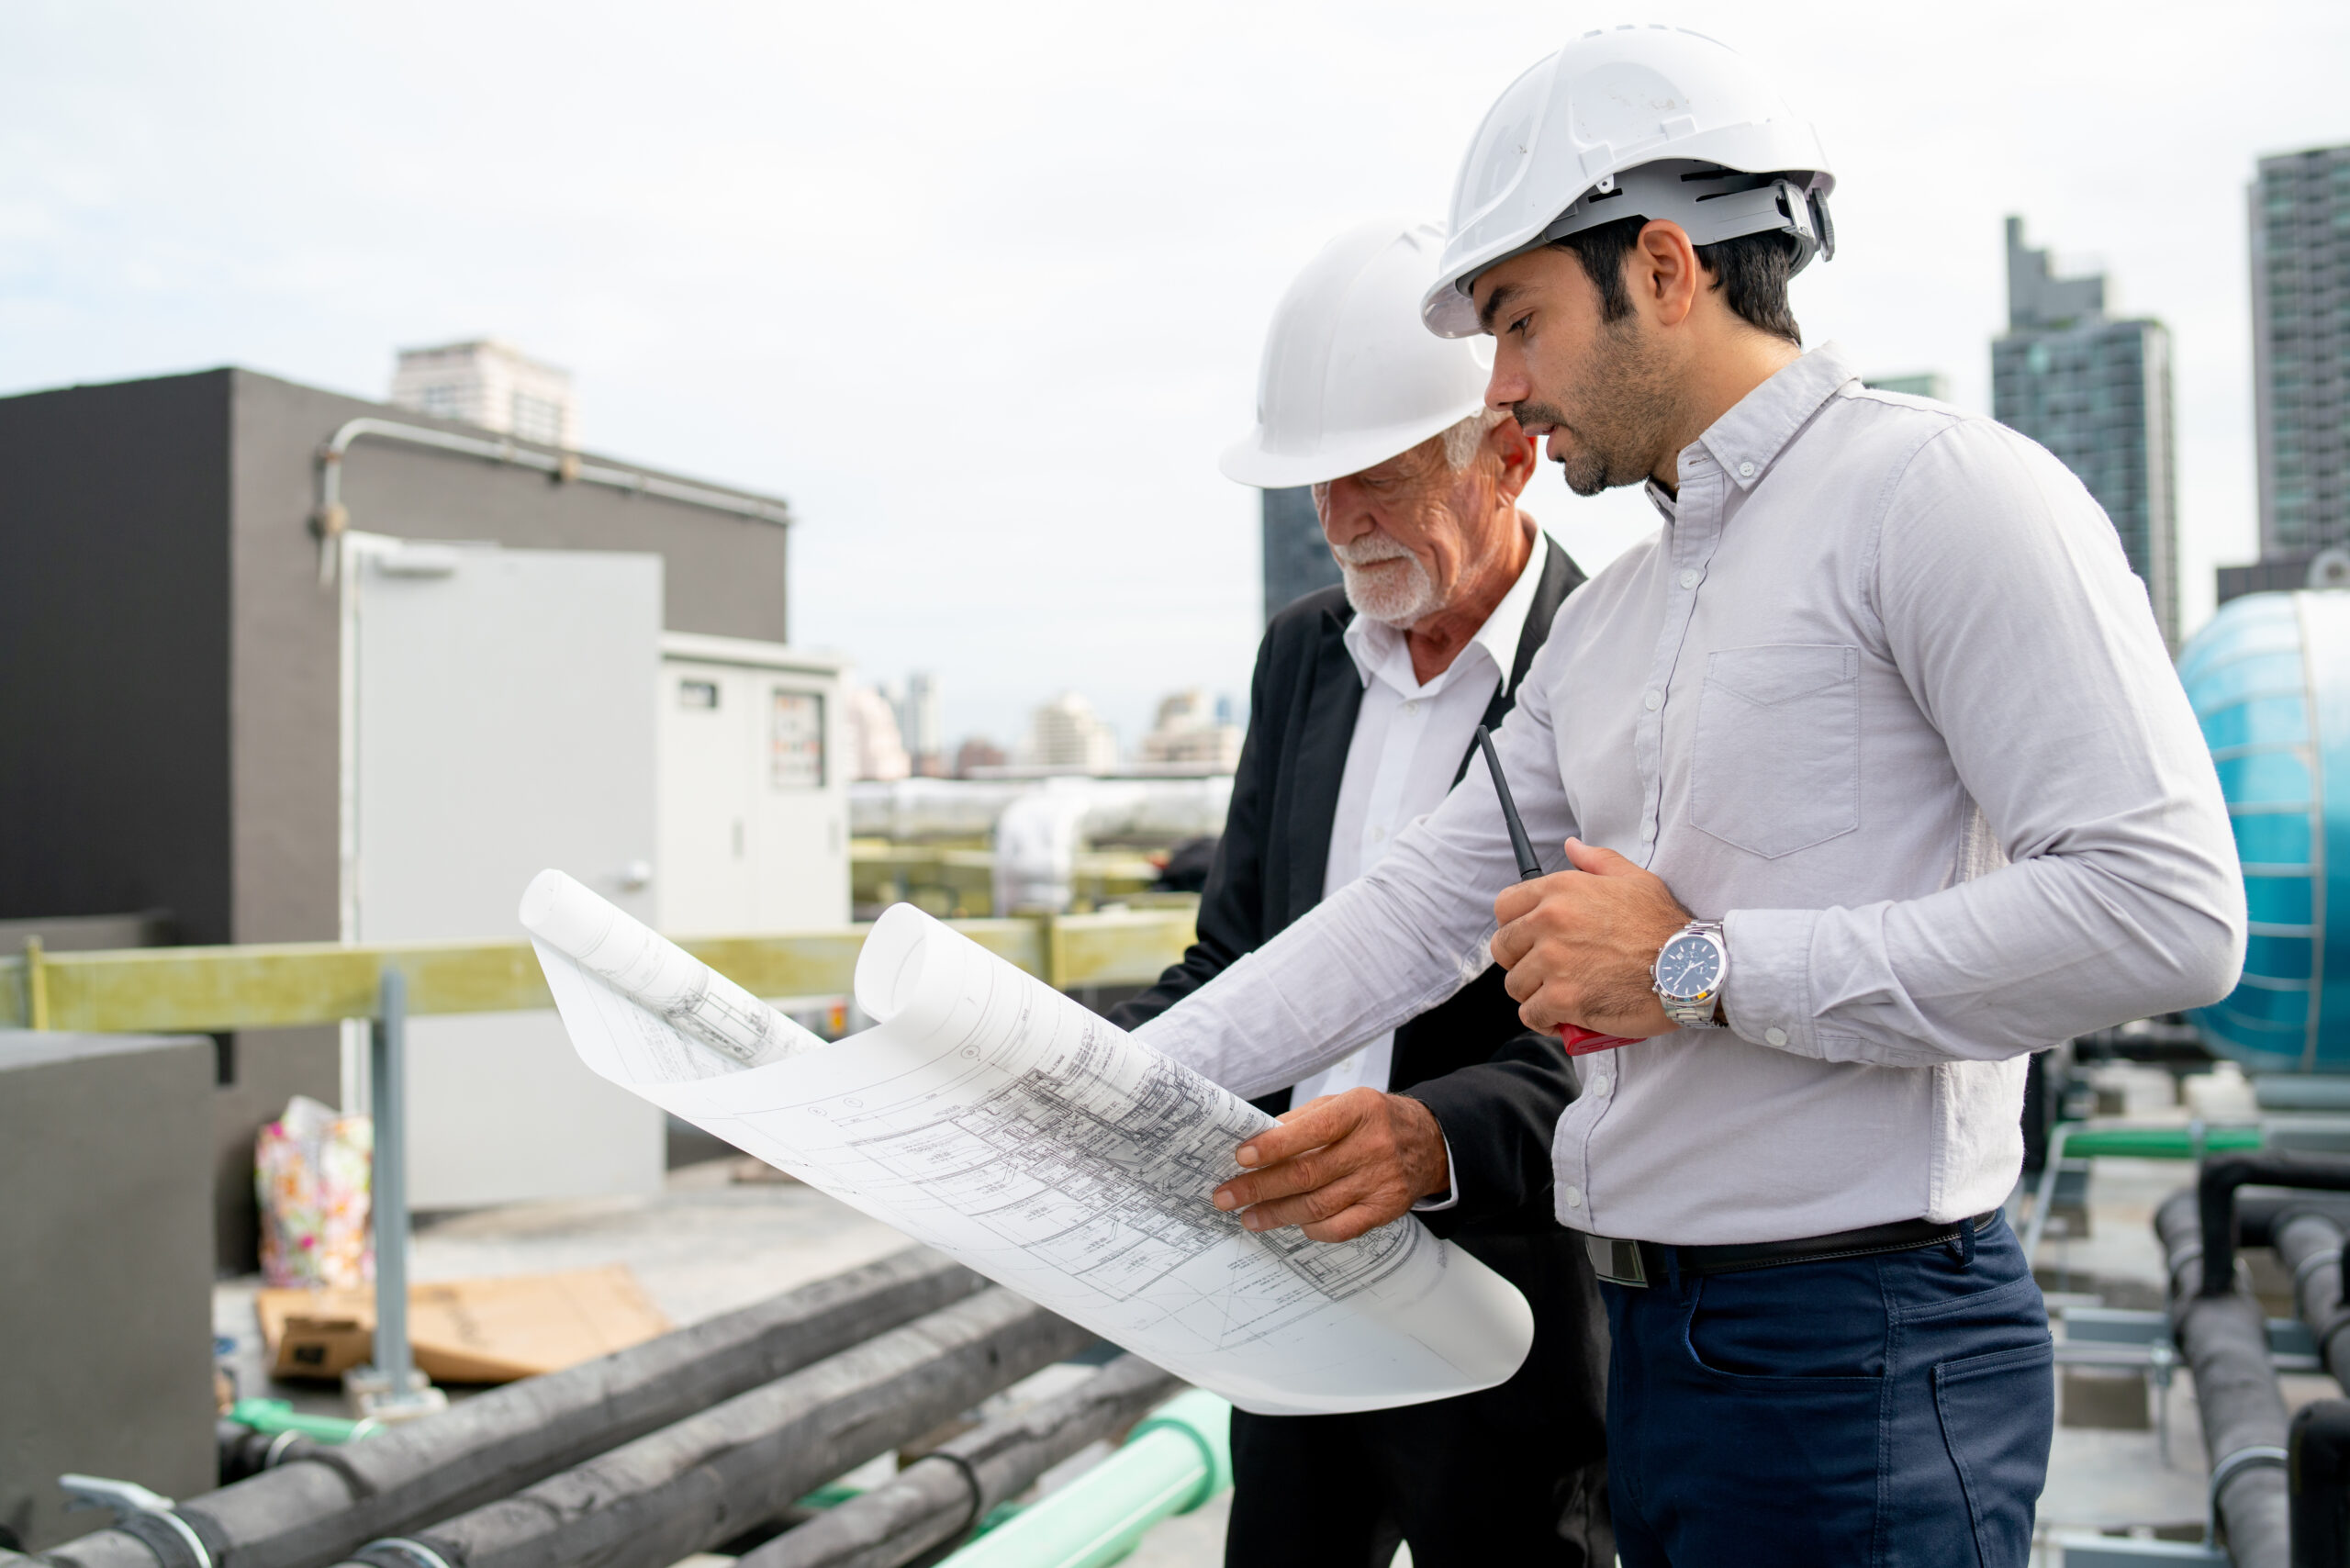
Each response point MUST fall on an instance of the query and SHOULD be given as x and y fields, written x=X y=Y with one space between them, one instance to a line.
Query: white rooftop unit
x=490 y=383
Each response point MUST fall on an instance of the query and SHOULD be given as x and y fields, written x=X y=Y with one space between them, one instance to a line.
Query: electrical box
x=753 y=788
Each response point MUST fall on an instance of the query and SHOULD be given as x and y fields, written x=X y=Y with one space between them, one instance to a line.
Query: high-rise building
x=1297 y=558
x=492 y=384
x=2096 y=393
x=919 y=725
x=875 y=749
x=1065 y=735
x=1194 y=735
x=2301 y=350
x=976 y=753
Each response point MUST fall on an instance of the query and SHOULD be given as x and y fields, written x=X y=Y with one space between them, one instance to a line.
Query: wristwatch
x=1690 y=971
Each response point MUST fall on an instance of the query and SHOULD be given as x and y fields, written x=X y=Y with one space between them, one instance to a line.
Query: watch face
x=1689 y=966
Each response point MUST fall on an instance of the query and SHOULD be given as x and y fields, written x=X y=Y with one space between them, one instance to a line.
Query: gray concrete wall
x=106 y=1325
x=113 y=655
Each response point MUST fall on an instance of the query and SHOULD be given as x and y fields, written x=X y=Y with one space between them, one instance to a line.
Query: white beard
x=1398 y=598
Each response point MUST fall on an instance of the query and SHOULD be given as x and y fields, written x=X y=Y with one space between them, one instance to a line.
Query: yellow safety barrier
x=172 y=990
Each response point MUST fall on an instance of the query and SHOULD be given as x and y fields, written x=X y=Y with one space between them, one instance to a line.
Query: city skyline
x=2095 y=391
x=1005 y=468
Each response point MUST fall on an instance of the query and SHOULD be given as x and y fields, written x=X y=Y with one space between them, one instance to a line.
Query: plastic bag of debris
x=311 y=1171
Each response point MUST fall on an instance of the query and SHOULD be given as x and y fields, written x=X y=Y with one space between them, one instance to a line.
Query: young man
x=1872 y=776
x=1363 y=710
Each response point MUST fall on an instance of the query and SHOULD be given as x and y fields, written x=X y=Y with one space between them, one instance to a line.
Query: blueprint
x=999 y=1121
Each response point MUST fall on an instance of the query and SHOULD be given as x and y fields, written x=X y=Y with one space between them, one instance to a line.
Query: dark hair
x=1752 y=270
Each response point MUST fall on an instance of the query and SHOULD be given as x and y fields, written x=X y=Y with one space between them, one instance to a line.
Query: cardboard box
x=466 y=1330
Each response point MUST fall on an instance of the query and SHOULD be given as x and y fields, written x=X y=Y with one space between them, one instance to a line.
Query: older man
x=1363 y=712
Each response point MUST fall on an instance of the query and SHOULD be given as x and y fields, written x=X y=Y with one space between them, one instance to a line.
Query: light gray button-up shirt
x=1883 y=697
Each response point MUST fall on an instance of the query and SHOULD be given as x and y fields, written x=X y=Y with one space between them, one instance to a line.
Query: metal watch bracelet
x=1696 y=1012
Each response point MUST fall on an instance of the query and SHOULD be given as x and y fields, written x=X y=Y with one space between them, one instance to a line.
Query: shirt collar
x=1748 y=440
x=1376 y=647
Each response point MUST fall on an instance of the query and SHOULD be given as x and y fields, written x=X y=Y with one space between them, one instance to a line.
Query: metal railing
x=209 y=989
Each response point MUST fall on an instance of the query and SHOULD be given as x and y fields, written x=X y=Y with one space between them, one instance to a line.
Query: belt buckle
x=1618 y=1262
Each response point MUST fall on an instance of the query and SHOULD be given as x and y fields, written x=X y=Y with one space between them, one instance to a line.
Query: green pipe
x=2158 y=1143
x=276 y=1415
x=1177 y=1459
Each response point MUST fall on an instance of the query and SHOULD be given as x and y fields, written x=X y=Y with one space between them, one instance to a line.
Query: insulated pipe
x=706 y=1479
x=2225 y=1341
x=2319 y=1470
x=2309 y=1246
x=944 y=1495
x=2215 y=1189
x=1175 y=1462
x=2260 y=1214
x=909 y=810
x=321 y=1502
x=1036 y=836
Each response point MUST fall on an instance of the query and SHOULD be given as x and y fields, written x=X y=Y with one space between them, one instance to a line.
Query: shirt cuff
x=1451 y=1187
x=1767 y=997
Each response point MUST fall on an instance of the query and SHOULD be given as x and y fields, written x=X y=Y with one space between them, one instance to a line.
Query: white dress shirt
x=1408 y=742
x=1882 y=696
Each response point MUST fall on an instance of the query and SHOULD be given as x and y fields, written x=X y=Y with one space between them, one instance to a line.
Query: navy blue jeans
x=1892 y=1410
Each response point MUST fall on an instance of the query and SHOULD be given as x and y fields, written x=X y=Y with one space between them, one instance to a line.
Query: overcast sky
x=980 y=288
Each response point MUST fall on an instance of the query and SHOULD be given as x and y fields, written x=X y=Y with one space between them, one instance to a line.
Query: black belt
x=1641 y=1262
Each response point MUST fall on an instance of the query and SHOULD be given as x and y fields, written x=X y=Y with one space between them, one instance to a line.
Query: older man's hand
x=1579 y=945
x=1340 y=1166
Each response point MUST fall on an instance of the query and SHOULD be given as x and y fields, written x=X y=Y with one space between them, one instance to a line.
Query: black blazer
x=1496 y=1089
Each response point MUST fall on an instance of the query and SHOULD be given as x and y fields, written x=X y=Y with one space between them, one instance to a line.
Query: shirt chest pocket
x=1776 y=766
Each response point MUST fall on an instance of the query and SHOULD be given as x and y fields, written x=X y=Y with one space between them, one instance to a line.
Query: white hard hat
x=1636 y=121
x=1349 y=378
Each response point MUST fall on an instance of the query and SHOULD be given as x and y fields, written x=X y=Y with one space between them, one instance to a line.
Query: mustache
x=1369 y=551
x=1539 y=414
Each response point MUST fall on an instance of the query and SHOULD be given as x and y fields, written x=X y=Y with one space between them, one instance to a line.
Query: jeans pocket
x=1740 y=1329
x=1998 y=1415
x=1776 y=765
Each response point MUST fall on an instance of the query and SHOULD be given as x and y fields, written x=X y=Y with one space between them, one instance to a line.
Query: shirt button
x=1654 y=700
x=1776 y=1036
x=1378 y=833
x=1600 y=1085
x=1575 y=1197
x=1648 y=831
x=1411 y=708
x=1746 y=470
x=1689 y=578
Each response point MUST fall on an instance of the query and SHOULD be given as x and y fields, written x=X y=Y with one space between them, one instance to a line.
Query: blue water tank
x=2270 y=680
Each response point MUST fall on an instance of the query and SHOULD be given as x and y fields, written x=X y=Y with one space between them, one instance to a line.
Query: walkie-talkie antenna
x=1529 y=867
x=1578 y=1040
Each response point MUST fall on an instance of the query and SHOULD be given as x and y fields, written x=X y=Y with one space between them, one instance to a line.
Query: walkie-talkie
x=1577 y=1041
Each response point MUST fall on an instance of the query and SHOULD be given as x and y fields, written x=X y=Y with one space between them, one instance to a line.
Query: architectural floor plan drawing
x=999 y=1121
